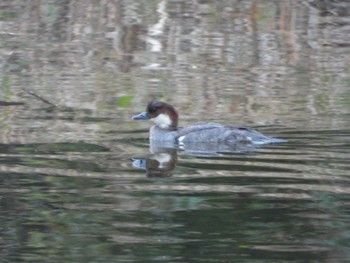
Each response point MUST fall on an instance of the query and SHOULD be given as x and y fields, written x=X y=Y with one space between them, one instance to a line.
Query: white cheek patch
x=162 y=120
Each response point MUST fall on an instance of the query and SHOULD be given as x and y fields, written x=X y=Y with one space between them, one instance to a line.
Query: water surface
x=79 y=181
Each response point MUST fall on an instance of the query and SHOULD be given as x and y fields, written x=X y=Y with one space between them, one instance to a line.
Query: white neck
x=163 y=121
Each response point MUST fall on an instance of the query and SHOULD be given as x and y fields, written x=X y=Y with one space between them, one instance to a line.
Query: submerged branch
x=40 y=98
x=9 y=103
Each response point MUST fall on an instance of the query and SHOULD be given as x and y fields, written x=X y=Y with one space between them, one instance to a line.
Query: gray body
x=211 y=133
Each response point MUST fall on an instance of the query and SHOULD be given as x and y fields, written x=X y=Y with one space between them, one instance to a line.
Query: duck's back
x=217 y=133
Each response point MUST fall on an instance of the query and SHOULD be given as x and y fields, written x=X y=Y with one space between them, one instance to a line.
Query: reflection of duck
x=165 y=129
x=160 y=164
x=164 y=158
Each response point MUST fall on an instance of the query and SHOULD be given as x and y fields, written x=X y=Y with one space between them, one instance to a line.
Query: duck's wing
x=199 y=127
x=206 y=132
x=253 y=136
x=217 y=133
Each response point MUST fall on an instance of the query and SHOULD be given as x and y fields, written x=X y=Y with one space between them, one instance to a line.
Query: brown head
x=162 y=114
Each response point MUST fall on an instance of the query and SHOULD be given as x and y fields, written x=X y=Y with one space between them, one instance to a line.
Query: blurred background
x=248 y=61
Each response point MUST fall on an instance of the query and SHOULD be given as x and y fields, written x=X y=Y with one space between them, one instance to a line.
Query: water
x=79 y=181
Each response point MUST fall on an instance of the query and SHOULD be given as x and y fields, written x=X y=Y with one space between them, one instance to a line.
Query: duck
x=166 y=129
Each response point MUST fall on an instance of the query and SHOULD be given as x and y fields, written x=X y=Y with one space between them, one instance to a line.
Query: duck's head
x=162 y=114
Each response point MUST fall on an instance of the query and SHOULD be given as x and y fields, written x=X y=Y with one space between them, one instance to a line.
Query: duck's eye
x=152 y=110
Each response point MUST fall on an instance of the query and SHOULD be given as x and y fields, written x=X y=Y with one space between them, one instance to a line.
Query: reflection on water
x=164 y=155
x=72 y=74
x=161 y=163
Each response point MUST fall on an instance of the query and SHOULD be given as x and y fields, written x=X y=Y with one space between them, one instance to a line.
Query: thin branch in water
x=11 y=103
x=40 y=98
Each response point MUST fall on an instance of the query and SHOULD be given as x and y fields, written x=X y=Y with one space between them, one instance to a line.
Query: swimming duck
x=166 y=129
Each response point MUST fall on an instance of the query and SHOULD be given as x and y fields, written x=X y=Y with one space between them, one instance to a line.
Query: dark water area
x=80 y=182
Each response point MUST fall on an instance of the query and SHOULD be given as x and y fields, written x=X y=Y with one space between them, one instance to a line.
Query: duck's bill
x=141 y=116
